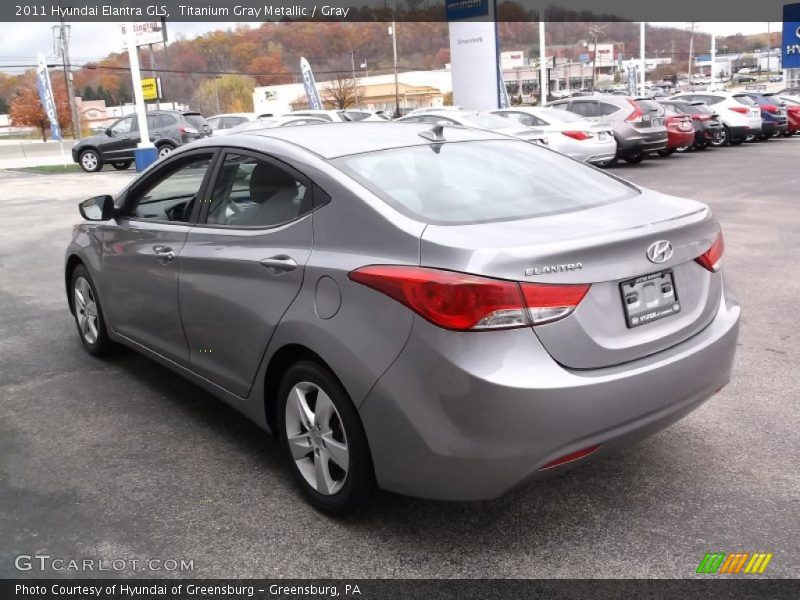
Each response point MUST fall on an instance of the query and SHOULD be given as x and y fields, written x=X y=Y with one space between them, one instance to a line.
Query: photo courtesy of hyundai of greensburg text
x=399 y=299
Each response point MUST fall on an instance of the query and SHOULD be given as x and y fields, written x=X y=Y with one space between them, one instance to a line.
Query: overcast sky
x=21 y=43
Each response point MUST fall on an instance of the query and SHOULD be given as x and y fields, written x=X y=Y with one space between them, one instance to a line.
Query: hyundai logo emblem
x=659 y=252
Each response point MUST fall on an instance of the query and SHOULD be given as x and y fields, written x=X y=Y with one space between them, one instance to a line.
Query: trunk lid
x=609 y=244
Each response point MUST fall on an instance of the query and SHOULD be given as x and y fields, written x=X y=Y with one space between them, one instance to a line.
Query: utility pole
x=594 y=32
x=155 y=74
x=393 y=33
x=353 y=65
x=543 y=81
x=63 y=44
x=642 y=59
x=691 y=53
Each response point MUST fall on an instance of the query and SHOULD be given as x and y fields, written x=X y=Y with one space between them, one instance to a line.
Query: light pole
x=393 y=33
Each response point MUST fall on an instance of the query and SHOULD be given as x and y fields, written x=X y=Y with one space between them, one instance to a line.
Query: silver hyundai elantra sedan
x=437 y=311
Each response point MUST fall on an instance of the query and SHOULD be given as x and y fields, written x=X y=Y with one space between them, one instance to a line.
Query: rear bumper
x=676 y=139
x=771 y=127
x=649 y=143
x=742 y=131
x=457 y=420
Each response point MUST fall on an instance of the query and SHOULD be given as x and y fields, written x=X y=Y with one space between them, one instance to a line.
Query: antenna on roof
x=434 y=134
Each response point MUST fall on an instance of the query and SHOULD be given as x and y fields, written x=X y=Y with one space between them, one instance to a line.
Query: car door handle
x=281 y=263
x=164 y=253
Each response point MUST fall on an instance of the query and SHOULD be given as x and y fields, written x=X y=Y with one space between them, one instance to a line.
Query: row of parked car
x=598 y=129
x=604 y=129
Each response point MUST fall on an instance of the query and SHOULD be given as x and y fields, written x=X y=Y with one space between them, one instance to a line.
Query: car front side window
x=122 y=126
x=173 y=194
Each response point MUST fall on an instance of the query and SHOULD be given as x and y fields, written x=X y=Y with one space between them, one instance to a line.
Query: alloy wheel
x=86 y=310
x=316 y=438
x=164 y=151
x=89 y=161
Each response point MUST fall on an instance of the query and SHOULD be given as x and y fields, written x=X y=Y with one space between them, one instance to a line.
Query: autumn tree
x=341 y=92
x=26 y=110
x=268 y=69
x=227 y=93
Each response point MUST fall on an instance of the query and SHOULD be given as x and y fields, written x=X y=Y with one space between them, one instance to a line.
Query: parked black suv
x=168 y=130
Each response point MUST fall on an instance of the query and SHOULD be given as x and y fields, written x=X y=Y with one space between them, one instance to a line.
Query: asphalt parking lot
x=122 y=459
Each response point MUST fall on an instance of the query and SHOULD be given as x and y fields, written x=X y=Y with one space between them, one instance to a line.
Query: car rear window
x=742 y=99
x=649 y=106
x=196 y=120
x=473 y=182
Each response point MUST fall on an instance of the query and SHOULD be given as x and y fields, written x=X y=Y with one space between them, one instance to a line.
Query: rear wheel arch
x=279 y=363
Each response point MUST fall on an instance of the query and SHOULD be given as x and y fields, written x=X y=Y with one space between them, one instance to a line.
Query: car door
x=141 y=254
x=243 y=265
x=122 y=141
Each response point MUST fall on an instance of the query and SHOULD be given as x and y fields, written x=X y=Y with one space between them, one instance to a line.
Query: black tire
x=165 y=149
x=671 y=151
x=723 y=138
x=358 y=484
x=737 y=141
x=634 y=157
x=90 y=160
x=101 y=345
x=121 y=165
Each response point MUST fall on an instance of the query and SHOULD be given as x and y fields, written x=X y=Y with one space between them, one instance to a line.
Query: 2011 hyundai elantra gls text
x=437 y=311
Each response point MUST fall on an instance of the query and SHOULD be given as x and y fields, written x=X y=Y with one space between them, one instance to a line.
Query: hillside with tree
x=216 y=71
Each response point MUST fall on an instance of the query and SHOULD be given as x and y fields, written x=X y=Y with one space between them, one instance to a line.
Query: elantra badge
x=659 y=252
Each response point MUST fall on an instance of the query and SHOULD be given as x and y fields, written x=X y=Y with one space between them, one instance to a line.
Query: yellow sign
x=150 y=88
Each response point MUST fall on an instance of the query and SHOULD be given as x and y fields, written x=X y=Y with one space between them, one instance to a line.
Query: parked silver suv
x=638 y=125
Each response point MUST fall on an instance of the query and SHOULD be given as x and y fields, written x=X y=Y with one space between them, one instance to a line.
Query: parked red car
x=793 y=116
x=680 y=132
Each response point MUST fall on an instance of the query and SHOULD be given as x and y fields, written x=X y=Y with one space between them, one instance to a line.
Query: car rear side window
x=250 y=192
x=472 y=182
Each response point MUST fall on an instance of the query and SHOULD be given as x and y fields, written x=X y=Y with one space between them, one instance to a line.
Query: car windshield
x=485 y=121
x=480 y=181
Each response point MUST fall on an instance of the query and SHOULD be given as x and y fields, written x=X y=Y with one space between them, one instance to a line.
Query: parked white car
x=477 y=120
x=567 y=132
x=269 y=122
x=739 y=114
x=220 y=123
x=340 y=115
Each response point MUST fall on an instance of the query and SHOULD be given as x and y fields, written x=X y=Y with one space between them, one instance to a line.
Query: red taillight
x=637 y=113
x=570 y=457
x=578 y=135
x=548 y=303
x=739 y=109
x=770 y=108
x=465 y=302
x=711 y=259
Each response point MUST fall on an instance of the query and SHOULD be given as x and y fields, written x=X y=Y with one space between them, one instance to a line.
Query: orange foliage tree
x=26 y=109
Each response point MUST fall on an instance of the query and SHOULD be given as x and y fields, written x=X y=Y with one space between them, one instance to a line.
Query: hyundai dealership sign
x=791 y=36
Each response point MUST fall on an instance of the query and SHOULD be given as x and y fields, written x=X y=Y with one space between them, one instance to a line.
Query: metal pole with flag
x=504 y=101
x=47 y=98
x=310 y=85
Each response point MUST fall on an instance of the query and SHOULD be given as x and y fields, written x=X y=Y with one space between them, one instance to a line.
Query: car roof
x=330 y=140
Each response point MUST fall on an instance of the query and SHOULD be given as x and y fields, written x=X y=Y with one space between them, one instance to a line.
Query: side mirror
x=99 y=208
x=109 y=132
